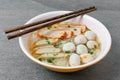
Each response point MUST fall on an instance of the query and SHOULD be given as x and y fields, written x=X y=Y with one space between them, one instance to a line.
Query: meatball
x=80 y=39
x=92 y=44
x=85 y=58
x=90 y=35
x=69 y=47
x=74 y=59
x=81 y=49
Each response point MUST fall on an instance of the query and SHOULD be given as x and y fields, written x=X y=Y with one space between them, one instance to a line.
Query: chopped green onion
x=47 y=41
x=75 y=29
x=95 y=46
x=67 y=52
x=40 y=59
x=99 y=44
x=57 y=45
x=75 y=51
x=50 y=60
x=69 y=26
x=65 y=22
x=55 y=54
x=90 y=52
x=88 y=29
x=49 y=27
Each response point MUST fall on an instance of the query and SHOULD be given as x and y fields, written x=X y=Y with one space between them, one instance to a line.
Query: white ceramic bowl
x=95 y=25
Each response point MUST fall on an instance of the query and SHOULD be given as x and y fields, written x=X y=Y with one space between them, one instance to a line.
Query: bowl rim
x=71 y=67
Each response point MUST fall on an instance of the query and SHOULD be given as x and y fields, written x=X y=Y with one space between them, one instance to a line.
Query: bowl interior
x=96 y=26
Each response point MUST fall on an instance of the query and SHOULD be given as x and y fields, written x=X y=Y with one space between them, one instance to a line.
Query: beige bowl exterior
x=65 y=70
x=105 y=47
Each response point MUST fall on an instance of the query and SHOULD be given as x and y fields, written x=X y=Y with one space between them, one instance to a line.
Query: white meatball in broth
x=90 y=35
x=74 y=60
x=69 y=47
x=81 y=49
x=92 y=44
x=80 y=39
x=85 y=58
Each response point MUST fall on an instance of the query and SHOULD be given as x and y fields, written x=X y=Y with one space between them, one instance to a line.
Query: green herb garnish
x=99 y=44
x=57 y=45
x=69 y=26
x=40 y=59
x=55 y=54
x=95 y=46
x=49 y=27
x=50 y=60
x=47 y=41
x=88 y=29
x=75 y=29
x=65 y=22
x=67 y=52
x=90 y=52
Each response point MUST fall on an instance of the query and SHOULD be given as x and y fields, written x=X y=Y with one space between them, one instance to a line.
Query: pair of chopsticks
x=27 y=28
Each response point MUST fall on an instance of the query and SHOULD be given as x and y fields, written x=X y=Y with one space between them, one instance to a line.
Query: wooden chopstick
x=42 y=21
x=84 y=11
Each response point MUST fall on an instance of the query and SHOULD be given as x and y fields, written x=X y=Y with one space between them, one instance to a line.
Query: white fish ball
x=70 y=46
x=80 y=39
x=92 y=44
x=74 y=59
x=85 y=58
x=90 y=35
x=81 y=49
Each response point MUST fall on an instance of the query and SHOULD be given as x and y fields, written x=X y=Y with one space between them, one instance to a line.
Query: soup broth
x=64 y=44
